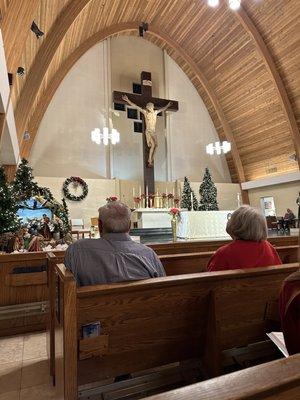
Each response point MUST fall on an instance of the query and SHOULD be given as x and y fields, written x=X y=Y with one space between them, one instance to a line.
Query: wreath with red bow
x=76 y=182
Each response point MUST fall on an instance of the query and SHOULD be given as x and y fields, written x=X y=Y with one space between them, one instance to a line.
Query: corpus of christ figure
x=150 y=115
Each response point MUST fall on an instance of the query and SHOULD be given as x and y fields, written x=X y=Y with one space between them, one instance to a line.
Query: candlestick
x=140 y=191
x=147 y=191
x=133 y=192
x=191 y=201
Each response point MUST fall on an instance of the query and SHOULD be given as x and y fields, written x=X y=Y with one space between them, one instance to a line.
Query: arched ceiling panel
x=219 y=45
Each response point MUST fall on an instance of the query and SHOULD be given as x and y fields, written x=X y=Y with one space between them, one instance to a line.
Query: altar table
x=203 y=224
x=153 y=218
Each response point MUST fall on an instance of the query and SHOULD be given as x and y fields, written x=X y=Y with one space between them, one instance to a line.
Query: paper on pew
x=278 y=339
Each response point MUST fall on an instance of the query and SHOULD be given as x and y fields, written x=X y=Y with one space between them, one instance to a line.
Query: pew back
x=275 y=380
x=23 y=284
x=154 y=322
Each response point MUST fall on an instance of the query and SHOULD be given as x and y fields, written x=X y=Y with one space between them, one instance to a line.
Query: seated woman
x=289 y=308
x=250 y=248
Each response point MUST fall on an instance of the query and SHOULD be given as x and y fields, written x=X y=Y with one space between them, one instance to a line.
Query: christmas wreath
x=75 y=181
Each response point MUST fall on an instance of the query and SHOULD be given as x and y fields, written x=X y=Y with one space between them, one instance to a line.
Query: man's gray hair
x=247 y=223
x=115 y=217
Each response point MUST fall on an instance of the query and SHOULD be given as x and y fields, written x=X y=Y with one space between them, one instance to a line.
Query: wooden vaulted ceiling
x=245 y=65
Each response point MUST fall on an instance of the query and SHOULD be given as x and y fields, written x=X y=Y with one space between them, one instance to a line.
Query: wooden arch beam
x=264 y=52
x=99 y=36
x=42 y=60
x=15 y=28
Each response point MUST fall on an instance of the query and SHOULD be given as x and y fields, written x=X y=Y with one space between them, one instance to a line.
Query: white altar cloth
x=203 y=224
x=153 y=218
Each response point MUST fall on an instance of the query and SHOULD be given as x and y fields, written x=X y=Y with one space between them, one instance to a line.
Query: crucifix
x=149 y=107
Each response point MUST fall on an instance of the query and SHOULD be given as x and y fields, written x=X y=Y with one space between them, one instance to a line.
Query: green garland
x=75 y=180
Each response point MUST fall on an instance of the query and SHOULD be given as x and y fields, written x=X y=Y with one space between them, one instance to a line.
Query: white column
x=108 y=103
x=168 y=116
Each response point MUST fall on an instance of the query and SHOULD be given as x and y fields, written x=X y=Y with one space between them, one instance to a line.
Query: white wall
x=285 y=196
x=63 y=146
x=190 y=130
x=83 y=102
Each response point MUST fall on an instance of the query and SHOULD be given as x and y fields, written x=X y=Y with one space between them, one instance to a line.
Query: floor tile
x=35 y=372
x=41 y=392
x=15 y=395
x=35 y=346
x=11 y=349
x=10 y=376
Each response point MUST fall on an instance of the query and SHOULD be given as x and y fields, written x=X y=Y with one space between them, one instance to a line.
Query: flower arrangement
x=175 y=212
x=111 y=198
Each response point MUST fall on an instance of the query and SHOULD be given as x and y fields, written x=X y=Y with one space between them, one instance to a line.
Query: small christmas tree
x=208 y=193
x=186 y=195
x=195 y=202
x=9 y=221
x=23 y=185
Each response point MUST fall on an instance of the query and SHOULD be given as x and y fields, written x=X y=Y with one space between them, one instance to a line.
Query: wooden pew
x=190 y=263
x=195 y=246
x=275 y=380
x=23 y=292
x=158 y=321
x=23 y=281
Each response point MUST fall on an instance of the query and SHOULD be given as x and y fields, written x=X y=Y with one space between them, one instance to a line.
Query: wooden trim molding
x=15 y=29
x=101 y=35
x=43 y=59
x=264 y=52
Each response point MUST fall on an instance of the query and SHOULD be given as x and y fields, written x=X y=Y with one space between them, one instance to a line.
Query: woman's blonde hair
x=247 y=223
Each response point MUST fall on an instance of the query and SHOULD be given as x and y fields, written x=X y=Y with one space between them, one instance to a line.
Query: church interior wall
x=285 y=196
x=63 y=146
x=100 y=189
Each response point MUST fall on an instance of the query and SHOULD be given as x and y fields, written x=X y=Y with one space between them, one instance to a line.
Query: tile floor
x=24 y=372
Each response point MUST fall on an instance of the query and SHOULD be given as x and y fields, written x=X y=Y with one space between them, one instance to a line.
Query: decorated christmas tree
x=9 y=221
x=195 y=202
x=23 y=185
x=208 y=193
x=186 y=195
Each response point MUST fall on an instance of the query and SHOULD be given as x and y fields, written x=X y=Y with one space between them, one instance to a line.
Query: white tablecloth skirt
x=203 y=224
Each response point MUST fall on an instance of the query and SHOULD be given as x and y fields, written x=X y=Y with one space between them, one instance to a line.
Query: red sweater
x=242 y=254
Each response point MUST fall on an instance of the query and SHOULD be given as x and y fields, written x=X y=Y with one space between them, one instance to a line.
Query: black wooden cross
x=141 y=100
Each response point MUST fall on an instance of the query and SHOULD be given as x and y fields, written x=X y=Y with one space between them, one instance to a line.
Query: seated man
x=115 y=257
x=289 y=219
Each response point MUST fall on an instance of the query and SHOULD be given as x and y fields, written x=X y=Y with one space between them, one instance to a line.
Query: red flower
x=174 y=211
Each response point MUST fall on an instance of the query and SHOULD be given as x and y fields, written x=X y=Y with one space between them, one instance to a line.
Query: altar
x=203 y=224
x=152 y=218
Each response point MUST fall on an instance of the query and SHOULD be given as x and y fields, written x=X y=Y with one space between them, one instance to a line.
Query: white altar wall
x=100 y=189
